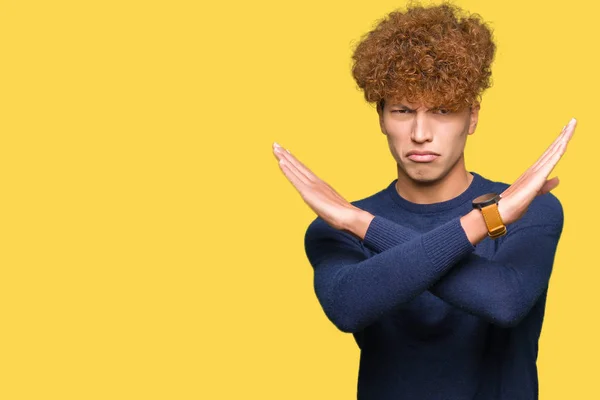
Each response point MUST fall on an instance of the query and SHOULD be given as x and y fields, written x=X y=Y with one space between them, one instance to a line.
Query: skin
x=442 y=179
x=409 y=126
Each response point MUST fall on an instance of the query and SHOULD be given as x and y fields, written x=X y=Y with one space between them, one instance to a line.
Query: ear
x=474 y=117
x=380 y=114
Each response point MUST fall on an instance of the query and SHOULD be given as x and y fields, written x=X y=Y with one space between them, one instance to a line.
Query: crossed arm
x=355 y=290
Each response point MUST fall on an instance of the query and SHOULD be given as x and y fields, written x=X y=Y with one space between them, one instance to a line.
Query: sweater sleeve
x=502 y=289
x=355 y=290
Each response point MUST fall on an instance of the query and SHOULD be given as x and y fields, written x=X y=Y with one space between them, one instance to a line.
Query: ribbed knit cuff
x=446 y=244
x=383 y=234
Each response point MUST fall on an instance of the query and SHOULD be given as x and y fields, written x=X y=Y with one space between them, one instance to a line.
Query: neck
x=446 y=188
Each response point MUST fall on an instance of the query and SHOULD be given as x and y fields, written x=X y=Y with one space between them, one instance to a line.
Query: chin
x=426 y=179
x=424 y=173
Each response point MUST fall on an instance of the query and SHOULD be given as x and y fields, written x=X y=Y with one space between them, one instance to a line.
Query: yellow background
x=150 y=246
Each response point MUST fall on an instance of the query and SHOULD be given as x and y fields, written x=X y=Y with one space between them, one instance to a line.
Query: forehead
x=406 y=103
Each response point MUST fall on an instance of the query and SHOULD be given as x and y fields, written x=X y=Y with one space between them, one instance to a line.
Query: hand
x=322 y=198
x=516 y=199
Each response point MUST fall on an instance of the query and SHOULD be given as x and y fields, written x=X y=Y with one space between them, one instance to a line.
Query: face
x=417 y=128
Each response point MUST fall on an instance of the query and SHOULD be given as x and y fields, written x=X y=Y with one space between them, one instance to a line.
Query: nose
x=420 y=130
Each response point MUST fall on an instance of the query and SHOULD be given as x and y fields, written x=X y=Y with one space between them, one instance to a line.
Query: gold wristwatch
x=488 y=204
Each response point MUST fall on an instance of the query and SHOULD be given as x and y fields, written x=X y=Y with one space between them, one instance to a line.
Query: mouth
x=423 y=158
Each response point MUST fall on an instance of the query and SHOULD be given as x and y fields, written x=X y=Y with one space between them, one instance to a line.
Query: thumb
x=549 y=185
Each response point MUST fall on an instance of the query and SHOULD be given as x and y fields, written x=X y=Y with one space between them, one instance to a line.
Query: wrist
x=359 y=223
x=474 y=226
x=505 y=212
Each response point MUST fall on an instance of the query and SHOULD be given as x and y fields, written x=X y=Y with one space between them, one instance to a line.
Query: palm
x=534 y=181
x=316 y=193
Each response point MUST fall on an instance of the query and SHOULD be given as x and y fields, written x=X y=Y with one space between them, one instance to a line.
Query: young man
x=441 y=276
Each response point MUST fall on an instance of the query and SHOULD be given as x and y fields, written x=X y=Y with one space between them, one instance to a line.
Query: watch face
x=485 y=197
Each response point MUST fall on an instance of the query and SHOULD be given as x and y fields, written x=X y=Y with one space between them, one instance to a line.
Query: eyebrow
x=403 y=106
x=411 y=109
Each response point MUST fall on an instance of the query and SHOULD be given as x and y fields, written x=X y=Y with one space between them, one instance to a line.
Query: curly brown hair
x=431 y=55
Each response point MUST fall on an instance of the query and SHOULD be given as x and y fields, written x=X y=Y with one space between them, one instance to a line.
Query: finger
x=545 y=169
x=552 y=158
x=296 y=163
x=292 y=177
x=537 y=182
x=281 y=156
x=562 y=138
x=549 y=185
x=550 y=150
x=285 y=156
x=516 y=184
x=277 y=154
x=572 y=130
x=567 y=130
x=277 y=151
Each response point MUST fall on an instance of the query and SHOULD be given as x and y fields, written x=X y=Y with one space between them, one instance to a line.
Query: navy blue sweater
x=434 y=316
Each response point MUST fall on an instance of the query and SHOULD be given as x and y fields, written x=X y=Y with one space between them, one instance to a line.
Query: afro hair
x=431 y=55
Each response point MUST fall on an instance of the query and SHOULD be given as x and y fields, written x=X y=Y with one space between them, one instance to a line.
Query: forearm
x=502 y=292
x=472 y=223
x=355 y=291
x=490 y=289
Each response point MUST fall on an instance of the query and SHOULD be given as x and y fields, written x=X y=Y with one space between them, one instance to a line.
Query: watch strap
x=491 y=215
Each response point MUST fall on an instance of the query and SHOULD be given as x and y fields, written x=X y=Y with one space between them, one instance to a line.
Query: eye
x=441 y=111
x=401 y=111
